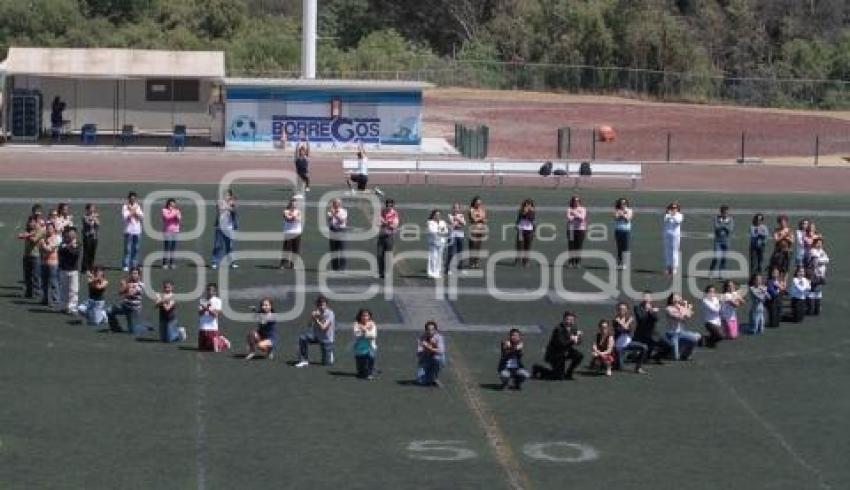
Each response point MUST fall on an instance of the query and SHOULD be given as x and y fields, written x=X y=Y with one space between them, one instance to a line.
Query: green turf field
x=83 y=409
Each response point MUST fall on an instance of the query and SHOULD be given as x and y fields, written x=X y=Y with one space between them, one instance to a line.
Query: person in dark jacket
x=646 y=318
x=56 y=118
x=510 y=363
x=560 y=349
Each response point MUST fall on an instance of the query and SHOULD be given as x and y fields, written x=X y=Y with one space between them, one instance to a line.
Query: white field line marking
x=796 y=456
x=486 y=419
x=200 y=422
x=261 y=203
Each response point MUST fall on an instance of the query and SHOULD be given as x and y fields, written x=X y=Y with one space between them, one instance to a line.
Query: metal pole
x=593 y=144
x=817 y=149
x=308 y=39
x=743 y=145
x=669 y=137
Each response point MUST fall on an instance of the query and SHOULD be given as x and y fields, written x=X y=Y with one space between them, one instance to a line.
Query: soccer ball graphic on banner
x=243 y=128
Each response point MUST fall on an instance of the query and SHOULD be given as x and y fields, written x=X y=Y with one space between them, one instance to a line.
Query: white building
x=151 y=90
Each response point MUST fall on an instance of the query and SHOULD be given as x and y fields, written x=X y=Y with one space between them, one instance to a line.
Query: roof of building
x=114 y=63
x=300 y=83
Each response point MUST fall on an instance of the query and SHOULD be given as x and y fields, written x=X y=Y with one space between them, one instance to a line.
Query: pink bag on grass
x=730 y=328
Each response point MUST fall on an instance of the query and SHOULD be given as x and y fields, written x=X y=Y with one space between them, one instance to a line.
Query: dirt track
x=210 y=167
x=524 y=124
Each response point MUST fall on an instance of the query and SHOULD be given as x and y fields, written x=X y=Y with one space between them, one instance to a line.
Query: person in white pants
x=438 y=230
x=672 y=237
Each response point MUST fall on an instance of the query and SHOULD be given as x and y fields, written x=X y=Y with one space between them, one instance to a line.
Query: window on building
x=336 y=107
x=166 y=90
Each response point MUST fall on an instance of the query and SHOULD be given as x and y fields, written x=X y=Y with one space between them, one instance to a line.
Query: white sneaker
x=301 y=364
x=270 y=356
x=234 y=265
x=214 y=266
x=298 y=196
x=182 y=333
x=306 y=189
x=378 y=192
x=126 y=269
x=249 y=356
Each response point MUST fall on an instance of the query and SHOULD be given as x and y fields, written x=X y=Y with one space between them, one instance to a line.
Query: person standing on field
x=673 y=219
x=388 y=223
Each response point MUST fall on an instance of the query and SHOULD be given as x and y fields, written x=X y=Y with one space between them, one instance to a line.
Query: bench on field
x=498 y=169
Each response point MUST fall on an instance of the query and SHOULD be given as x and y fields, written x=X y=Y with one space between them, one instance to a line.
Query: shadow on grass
x=491 y=386
x=344 y=374
x=44 y=310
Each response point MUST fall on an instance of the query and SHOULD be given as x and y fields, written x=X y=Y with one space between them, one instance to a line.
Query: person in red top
x=388 y=225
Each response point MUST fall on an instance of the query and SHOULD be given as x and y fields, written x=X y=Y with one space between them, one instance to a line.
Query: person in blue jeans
x=758 y=242
x=130 y=290
x=226 y=222
x=132 y=215
x=758 y=300
x=322 y=329
x=510 y=362
x=169 y=328
x=32 y=257
x=724 y=224
x=431 y=354
x=681 y=340
x=48 y=247
x=365 y=344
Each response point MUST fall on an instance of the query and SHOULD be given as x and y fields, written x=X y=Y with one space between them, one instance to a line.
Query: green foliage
x=737 y=50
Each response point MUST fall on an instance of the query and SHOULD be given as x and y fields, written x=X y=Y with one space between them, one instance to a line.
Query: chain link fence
x=662 y=85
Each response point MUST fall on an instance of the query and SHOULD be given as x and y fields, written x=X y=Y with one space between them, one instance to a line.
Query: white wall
x=95 y=101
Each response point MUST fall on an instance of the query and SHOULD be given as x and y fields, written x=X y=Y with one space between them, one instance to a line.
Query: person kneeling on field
x=130 y=290
x=322 y=326
x=510 y=364
x=561 y=348
x=209 y=337
x=431 y=354
x=94 y=309
x=603 y=349
x=264 y=338
x=169 y=329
